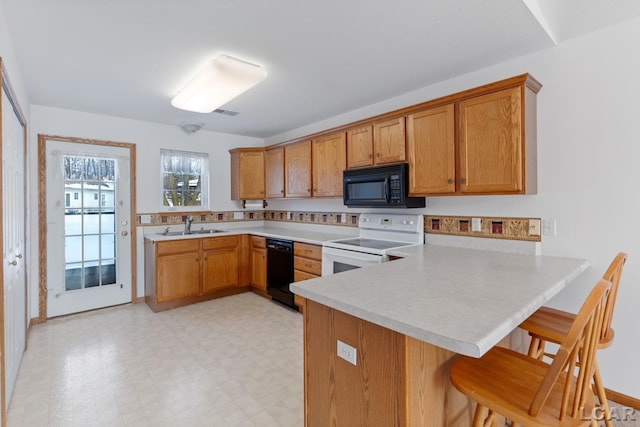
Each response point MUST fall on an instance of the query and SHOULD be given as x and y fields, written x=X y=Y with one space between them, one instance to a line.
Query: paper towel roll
x=253 y=204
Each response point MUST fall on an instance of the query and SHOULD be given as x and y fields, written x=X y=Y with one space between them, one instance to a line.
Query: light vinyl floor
x=234 y=361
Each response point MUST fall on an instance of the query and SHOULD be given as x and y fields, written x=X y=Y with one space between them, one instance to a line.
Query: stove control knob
x=410 y=222
x=405 y=222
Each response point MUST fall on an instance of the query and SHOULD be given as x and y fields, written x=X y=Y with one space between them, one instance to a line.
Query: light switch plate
x=549 y=227
x=145 y=219
x=476 y=224
x=346 y=352
x=238 y=215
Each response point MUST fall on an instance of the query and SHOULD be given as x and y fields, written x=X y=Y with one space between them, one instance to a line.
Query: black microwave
x=379 y=187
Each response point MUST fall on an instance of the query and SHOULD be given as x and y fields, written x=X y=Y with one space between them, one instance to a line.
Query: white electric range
x=379 y=233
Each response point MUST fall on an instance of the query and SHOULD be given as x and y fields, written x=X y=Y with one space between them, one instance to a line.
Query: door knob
x=19 y=256
x=14 y=263
x=125 y=233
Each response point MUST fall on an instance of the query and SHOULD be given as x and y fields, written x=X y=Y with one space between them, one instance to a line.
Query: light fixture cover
x=222 y=80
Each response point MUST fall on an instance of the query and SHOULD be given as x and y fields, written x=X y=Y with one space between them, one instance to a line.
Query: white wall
x=588 y=170
x=149 y=139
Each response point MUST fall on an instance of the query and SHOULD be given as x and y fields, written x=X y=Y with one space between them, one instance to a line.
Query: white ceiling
x=128 y=58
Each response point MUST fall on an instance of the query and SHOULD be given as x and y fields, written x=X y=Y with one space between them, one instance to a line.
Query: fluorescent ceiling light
x=222 y=80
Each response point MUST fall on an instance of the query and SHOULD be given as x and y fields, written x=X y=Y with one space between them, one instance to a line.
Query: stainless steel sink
x=212 y=231
x=182 y=233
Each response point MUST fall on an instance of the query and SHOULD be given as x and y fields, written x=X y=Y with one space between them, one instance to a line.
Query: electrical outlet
x=289 y=215
x=343 y=218
x=534 y=227
x=145 y=219
x=549 y=227
x=346 y=352
x=238 y=215
x=476 y=224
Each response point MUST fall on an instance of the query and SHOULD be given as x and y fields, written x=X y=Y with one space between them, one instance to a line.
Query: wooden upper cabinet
x=360 y=147
x=493 y=155
x=247 y=174
x=431 y=151
x=274 y=164
x=329 y=156
x=389 y=141
x=297 y=169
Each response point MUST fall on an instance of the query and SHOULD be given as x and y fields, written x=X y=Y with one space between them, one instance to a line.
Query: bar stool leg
x=602 y=396
x=484 y=417
x=536 y=348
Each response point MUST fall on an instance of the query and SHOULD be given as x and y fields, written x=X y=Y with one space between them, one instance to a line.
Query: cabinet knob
x=370 y=156
x=308 y=190
x=377 y=154
x=463 y=181
x=262 y=192
x=282 y=191
x=449 y=181
x=197 y=259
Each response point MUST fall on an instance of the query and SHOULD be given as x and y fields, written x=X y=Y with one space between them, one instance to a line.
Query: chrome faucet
x=187 y=225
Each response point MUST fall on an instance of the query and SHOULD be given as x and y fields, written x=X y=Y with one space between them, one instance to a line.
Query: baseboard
x=138 y=300
x=623 y=399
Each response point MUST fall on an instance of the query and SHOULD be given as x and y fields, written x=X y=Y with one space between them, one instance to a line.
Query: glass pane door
x=90 y=222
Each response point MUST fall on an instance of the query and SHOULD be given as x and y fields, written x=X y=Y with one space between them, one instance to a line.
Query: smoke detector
x=191 y=127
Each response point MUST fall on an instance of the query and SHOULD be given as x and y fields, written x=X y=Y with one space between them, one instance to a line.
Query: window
x=75 y=196
x=67 y=199
x=185 y=180
x=95 y=196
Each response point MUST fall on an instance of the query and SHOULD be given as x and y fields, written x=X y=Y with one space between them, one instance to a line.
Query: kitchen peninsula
x=407 y=320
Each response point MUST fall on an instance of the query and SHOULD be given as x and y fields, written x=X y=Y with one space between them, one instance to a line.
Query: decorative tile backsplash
x=510 y=228
x=322 y=218
x=514 y=228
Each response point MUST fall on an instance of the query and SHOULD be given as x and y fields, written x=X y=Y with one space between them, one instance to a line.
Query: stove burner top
x=371 y=243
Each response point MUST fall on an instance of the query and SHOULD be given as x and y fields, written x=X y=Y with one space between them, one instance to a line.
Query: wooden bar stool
x=531 y=392
x=550 y=325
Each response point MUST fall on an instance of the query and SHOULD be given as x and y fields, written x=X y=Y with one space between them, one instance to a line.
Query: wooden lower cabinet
x=258 y=263
x=178 y=276
x=181 y=272
x=221 y=263
x=397 y=380
x=307 y=261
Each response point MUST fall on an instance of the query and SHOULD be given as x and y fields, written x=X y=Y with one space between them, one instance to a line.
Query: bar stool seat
x=531 y=392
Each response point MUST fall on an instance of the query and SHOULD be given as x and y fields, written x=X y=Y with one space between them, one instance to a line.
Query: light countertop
x=463 y=300
x=313 y=235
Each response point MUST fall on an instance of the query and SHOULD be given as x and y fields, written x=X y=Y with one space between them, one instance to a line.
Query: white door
x=13 y=232
x=88 y=227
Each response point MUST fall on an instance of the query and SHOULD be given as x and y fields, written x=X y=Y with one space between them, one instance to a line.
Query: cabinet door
x=177 y=276
x=491 y=155
x=220 y=269
x=329 y=156
x=432 y=154
x=389 y=141
x=297 y=170
x=259 y=268
x=252 y=175
x=360 y=147
x=274 y=160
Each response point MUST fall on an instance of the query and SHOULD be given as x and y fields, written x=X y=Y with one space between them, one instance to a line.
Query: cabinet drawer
x=177 y=246
x=220 y=242
x=258 y=242
x=308 y=265
x=308 y=251
x=299 y=276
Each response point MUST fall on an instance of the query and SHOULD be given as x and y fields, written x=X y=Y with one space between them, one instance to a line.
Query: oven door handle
x=387 y=190
x=352 y=255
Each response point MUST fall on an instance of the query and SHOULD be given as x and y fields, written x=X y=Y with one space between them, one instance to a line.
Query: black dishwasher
x=280 y=270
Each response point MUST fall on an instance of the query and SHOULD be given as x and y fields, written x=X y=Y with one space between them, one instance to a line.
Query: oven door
x=339 y=260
